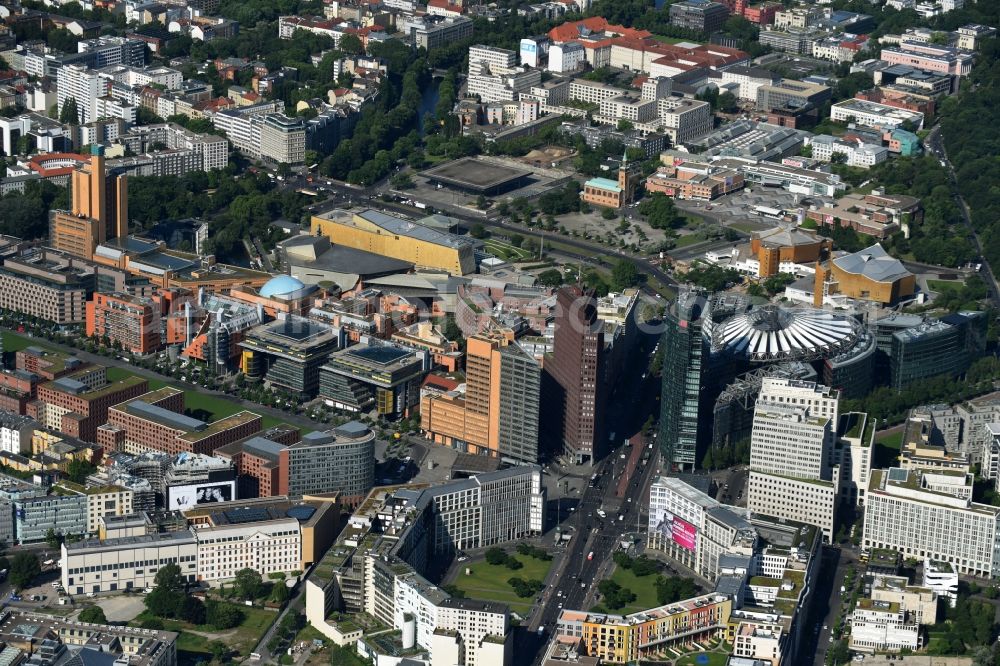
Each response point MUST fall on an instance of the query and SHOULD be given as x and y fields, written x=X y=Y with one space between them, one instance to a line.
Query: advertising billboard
x=676 y=529
x=180 y=498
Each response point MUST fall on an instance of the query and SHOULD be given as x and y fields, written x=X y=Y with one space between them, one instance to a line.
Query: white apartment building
x=695 y=529
x=566 y=57
x=491 y=87
x=798 y=18
x=760 y=643
x=791 y=471
x=873 y=114
x=107 y=501
x=171 y=79
x=974 y=415
x=238 y=126
x=906 y=510
x=109 y=107
x=483 y=625
x=129 y=563
x=282 y=139
x=748 y=80
x=381 y=572
x=853 y=455
x=882 y=626
x=114 y=51
x=863 y=155
x=84 y=85
x=273 y=546
x=534 y=51
x=592 y=92
x=942 y=578
x=627 y=107
x=15 y=433
x=499 y=60
x=684 y=119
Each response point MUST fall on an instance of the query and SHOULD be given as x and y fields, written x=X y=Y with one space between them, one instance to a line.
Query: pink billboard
x=683 y=533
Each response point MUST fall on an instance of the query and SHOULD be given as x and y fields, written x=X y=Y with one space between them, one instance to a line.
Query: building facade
x=791 y=471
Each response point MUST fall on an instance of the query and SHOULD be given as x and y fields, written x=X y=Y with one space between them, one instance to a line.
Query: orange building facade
x=99 y=209
x=132 y=322
x=787 y=245
x=470 y=422
x=613 y=194
x=694 y=181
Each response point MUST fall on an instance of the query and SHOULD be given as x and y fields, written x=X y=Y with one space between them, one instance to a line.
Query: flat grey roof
x=474 y=174
x=165 y=416
x=96 y=545
x=264 y=448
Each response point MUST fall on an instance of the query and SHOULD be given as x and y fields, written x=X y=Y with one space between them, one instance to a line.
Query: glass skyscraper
x=685 y=354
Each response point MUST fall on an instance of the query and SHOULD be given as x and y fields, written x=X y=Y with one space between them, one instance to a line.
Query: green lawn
x=645 y=592
x=944 y=285
x=243 y=638
x=688 y=239
x=203 y=406
x=670 y=40
x=714 y=659
x=887 y=449
x=489 y=581
x=117 y=374
x=12 y=342
x=200 y=405
x=506 y=251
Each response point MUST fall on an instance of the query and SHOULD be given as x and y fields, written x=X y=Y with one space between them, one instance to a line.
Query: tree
x=191 y=610
x=247 y=584
x=279 y=592
x=671 y=589
x=728 y=103
x=624 y=275
x=23 y=569
x=711 y=277
x=614 y=595
x=659 y=211
x=350 y=45
x=170 y=578
x=222 y=615
x=220 y=652
x=69 y=113
x=93 y=615
x=625 y=125
x=52 y=539
x=496 y=556
x=78 y=470
x=162 y=602
x=478 y=231
x=550 y=277
x=482 y=203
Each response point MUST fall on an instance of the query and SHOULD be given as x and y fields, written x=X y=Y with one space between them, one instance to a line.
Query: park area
x=197 y=404
x=194 y=643
x=489 y=582
x=643 y=587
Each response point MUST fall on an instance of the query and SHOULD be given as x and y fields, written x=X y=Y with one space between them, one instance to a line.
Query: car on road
x=590 y=556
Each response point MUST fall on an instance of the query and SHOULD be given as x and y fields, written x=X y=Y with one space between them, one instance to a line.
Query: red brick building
x=156 y=421
x=77 y=404
x=257 y=460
